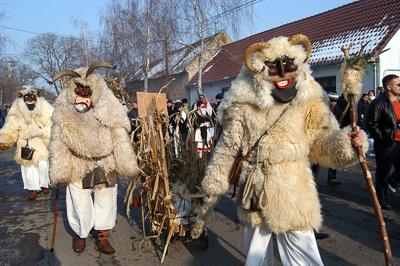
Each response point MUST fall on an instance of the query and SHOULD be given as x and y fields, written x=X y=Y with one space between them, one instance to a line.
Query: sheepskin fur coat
x=33 y=126
x=81 y=142
x=280 y=166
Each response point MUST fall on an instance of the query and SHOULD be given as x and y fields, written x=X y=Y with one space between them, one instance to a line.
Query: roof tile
x=363 y=20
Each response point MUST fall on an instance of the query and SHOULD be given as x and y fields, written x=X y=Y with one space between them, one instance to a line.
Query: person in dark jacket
x=340 y=109
x=180 y=122
x=384 y=127
x=133 y=116
x=2 y=118
x=362 y=108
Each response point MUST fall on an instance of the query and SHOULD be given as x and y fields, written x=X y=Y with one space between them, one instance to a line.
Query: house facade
x=182 y=67
x=373 y=22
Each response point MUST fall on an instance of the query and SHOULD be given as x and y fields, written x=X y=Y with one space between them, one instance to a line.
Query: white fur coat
x=81 y=142
x=22 y=125
x=281 y=165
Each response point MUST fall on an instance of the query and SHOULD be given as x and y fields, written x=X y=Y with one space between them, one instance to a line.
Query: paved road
x=25 y=229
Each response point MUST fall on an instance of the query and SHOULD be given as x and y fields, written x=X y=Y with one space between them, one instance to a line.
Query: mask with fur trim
x=29 y=96
x=84 y=87
x=277 y=62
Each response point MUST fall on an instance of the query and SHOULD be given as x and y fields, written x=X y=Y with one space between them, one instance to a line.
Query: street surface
x=26 y=228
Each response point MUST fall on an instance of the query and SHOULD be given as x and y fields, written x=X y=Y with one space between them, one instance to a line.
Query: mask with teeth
x=30 y=101
x=277 y=62
x=284 y=91
x=83 y=101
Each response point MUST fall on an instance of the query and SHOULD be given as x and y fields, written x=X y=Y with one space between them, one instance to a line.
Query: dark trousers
x=387 y=169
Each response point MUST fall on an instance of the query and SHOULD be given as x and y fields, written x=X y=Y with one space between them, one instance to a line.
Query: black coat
x=362 y=109
x=382 y=122
x=339 y=112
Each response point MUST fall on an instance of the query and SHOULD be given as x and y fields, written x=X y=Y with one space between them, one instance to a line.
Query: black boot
x=320 y=235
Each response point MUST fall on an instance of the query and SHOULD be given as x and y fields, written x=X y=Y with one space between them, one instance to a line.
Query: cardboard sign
x=147 y=100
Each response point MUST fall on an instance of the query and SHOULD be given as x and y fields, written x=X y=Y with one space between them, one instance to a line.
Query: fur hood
x=249 y=88
x=97 y=138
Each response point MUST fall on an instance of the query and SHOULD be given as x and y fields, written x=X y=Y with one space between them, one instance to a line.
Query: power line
x=16 y=29
x=235 y=9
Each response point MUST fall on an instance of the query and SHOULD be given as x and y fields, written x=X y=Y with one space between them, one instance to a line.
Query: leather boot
x=102 y=242
x=33 y=195
x=78 y=244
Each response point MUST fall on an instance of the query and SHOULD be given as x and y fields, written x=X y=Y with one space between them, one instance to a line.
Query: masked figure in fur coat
x=28 y=125
x=89 y=149
x=276 y=100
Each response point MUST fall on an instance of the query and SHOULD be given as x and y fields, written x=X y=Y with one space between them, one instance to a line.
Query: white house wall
x=210 y=90
x=390 y=60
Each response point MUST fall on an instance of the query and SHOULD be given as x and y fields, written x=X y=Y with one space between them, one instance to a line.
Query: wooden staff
x=353 y=71
x=371 y=188
x=53 y=237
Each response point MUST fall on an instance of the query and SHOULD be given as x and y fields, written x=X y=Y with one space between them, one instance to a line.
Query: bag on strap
x=27 y=152
x=236 y=169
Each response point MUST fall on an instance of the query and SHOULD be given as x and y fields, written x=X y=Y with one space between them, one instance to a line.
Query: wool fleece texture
x=23 y=125
x=80 y=142
x=280 y=166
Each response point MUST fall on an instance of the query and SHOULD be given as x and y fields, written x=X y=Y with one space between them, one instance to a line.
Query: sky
x=40 y=16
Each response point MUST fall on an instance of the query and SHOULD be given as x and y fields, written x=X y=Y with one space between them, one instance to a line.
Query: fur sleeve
x=60 y=161
x=9 y=133
x=125 y=158
x=216 y=180
x=330 y=145
x=46 y=129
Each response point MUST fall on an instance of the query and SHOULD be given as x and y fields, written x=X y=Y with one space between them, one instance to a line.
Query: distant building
x=375 y=22
x=183 y=66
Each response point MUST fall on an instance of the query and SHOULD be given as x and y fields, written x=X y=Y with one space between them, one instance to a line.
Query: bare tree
x=212 y=15
x=168 y=30
x=139 y=32
x=122 y=38
x=13 y=74
x=3 y=38
x=49 y=53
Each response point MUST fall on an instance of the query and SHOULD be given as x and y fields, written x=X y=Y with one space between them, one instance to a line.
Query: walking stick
x=53 y=237
x=371 y=188
x=352 y=71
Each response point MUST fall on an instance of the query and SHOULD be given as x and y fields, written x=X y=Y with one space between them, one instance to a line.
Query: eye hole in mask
x=82 y=90
x=280 y=66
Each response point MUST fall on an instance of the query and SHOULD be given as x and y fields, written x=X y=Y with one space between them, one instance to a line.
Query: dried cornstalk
x=159 y=169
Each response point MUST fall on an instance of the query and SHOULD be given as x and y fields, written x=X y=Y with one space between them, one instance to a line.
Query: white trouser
x=295 y=247
x=36 y=176
x=84 y=213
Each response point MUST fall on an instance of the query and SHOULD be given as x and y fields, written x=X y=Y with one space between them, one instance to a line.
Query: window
x=328 y=83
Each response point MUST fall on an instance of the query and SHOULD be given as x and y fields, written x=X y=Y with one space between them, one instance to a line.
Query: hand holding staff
x=352 y=72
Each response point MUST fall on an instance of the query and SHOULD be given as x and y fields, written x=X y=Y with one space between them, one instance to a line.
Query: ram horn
x=64 y=73
x=255 y=47
x=305 y=41
x=98 y=64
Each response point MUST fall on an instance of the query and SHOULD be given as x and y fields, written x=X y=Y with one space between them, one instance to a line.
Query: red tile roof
x=361 y=21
